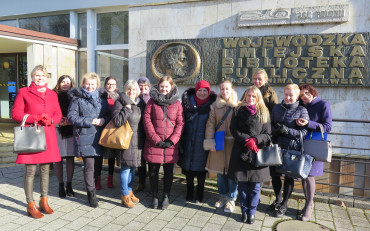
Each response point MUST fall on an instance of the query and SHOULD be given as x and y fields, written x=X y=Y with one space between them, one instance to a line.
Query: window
x=9 y=23
x=112 y=28
x=113 y=63
x=82 y=30
x=54 y=24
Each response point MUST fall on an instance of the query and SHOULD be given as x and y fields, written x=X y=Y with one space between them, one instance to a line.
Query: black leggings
x=288 y=189
x=167 y=178
x=70 y=167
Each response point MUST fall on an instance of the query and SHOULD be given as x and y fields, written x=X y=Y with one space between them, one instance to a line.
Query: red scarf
x=200 y=102
x=40 y=89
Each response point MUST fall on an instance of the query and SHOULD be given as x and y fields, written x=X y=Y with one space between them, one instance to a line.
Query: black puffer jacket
x=130 y=157
x=244 y=126
x=287 y=114
x=81 y=113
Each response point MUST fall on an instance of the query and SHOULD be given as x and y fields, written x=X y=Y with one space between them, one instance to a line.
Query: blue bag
x=220 y=140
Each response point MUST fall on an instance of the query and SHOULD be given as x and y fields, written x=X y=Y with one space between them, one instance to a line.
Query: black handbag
x=29 y=139
x=269 y=156
x=295 y=163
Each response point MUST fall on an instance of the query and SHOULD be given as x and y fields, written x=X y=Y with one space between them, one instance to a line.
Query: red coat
x=157 y=129
x=29 y=101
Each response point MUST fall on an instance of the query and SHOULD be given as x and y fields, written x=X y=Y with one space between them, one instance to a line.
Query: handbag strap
x=223 y=119
x=301 y=139
x=24 y=120
x=322 y=132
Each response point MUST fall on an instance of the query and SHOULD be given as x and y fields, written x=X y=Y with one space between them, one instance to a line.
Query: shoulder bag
x=116 y=137
x=295 y=163
x=29 y=139
x=269 y=156
x=316 y=145
x=220 y=135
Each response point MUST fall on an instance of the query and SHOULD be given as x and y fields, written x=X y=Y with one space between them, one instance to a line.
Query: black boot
x=200 y=192
x=62 y=191
x=93 y=200
x=69 y=190
x=190 y=192
x=165 y=201
x=154 y=201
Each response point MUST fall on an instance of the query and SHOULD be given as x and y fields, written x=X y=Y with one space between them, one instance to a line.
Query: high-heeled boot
x=69 y=190
x=154 y=204
x=44 y=206
x=93 y=200
x=126 y=201
x=62 y=191
x=133 y=197
x=165 y=201
x=33 y=210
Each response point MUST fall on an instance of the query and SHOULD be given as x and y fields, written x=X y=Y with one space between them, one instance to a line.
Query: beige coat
x=219 y=161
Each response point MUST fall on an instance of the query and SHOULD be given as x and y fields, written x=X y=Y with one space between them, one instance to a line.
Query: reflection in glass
x=113 y=63
x=54 y=24
x=9 y=22
x=82 y=66
x=82 y=30
x=112 y=28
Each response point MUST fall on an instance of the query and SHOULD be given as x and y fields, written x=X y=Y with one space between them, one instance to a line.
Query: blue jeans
x=249 y=195
x=126 y=179
x=227 y=187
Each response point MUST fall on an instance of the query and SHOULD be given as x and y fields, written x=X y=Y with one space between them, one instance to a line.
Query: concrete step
x=7 y=154
x=6 y=148
x=8 y=160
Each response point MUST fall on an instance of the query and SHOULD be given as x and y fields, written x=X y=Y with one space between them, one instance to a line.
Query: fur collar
x=232 y=102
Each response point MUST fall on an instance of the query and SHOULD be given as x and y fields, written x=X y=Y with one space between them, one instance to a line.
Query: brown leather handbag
x=116 y=137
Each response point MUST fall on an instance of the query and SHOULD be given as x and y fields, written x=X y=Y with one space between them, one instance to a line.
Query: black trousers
x=201 y=179
x=167 y=178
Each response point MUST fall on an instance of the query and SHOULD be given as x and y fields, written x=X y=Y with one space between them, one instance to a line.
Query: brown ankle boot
x=133 y=197
x=126 y=200
x=44 y=206
x=33 y=210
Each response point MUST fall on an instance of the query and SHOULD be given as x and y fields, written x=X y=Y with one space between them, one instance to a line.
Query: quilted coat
x=82 y=110
x=130 y=157
x=243 y=126
x=194 y=157
x=218 y=161
x=163 y=119
x=29 y=101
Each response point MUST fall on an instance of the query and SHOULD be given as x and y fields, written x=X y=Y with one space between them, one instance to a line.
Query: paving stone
x=255 y=226
x=342 y=223
x=134 y=225
x=89 y=228
x=323 y=215
x=340 y=212
x=358 y=221
x=212 y=227
x=10 y=226
x=232 y=225
x=322 y=207
x=177 y=223
x=198 y=221
x=79 y=223
x=102 y=221
x=328 y=224
x=189 y=228
x=355 y=212
x=55 y=225
x=186 y=213
x=155 y=225
x=124 y=219
x=358 y=228
x=344 y=229
x=146 y=217
x=269 y=221
x=167 y=215
x=218 y=219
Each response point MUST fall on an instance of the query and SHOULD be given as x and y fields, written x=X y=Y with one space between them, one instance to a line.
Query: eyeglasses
x=111 y=84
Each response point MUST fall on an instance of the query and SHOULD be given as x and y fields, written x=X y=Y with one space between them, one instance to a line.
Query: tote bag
x=29 y=139
x=269 y=156
x=316 y=145
x=116 y=137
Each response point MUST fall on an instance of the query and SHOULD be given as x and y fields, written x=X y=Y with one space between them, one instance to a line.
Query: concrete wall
x=212 y=19
x=58 y=61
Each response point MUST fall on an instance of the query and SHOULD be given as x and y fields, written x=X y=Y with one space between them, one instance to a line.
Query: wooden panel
x=348 y=180
x=323 y=179
x=367 y=180
x=359 y=180
x=334 y=177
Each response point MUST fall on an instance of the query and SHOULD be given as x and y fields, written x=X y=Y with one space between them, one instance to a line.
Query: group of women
x=167 y=131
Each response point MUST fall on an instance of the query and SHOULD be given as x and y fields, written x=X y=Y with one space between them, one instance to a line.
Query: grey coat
x=130 y=157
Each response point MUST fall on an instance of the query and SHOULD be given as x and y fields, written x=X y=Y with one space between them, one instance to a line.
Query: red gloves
x=44 y=119
x=251 y=144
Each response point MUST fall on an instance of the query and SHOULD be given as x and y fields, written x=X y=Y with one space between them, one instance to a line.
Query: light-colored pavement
x=75 y=214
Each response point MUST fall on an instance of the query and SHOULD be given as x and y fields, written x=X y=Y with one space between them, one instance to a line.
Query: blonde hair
x=260 y=71
x=293 y=87
x=131 y=84
x=90 y=75
x=262 y=111
x=39 y=68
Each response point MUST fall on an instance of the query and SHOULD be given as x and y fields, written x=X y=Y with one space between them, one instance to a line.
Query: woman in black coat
x=286 y=133
x=250 y=126
x=129 y=107
x=88 y=113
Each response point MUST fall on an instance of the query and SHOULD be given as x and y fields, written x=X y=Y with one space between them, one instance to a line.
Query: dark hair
x=109 y=78
x=60 y=80
x=309 y=88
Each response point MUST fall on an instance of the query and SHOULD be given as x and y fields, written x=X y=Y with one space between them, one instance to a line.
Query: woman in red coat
x=163 y=124
x=42 y=105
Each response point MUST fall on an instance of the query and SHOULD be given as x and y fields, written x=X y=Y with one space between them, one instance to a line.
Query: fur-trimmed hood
x=232 y=102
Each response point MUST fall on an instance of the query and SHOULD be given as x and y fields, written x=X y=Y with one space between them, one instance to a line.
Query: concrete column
x=91 y=39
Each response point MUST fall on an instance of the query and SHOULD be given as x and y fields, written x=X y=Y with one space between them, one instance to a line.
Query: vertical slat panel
x=347 y=180
x=334 y=177
x=359 y=180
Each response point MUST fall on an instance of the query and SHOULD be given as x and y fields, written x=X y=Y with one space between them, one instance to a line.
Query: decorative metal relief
x=179 y=60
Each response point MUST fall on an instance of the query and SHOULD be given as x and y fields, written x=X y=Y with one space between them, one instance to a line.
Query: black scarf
x=164 y=100
x=64 y=101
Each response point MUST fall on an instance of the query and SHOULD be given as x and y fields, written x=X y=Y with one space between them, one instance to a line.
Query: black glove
x=160 y=144
x=281 y=129
x=168 y=143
